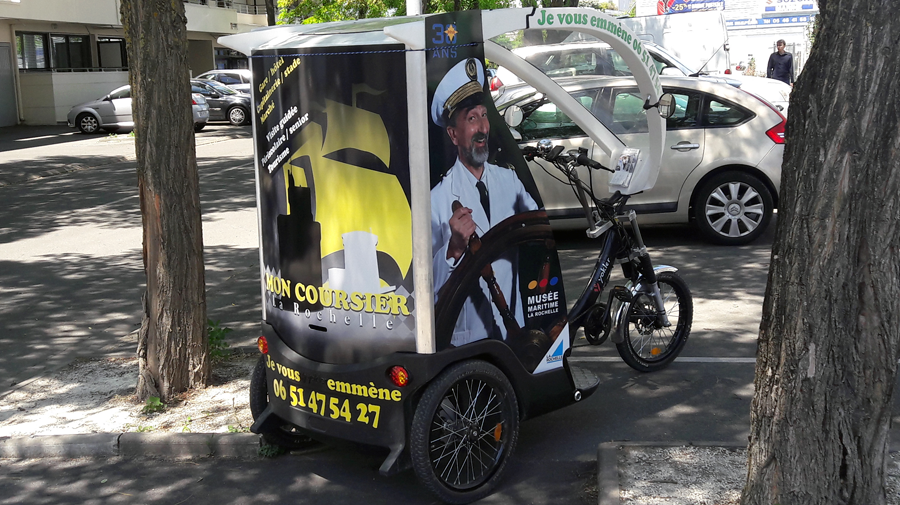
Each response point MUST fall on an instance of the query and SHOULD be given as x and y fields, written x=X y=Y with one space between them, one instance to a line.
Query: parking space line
x=685 y=359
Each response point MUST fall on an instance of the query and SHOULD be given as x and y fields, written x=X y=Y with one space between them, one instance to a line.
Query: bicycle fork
x=649 y=274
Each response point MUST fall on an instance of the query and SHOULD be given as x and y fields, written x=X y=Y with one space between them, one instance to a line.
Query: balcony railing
x=229 y=4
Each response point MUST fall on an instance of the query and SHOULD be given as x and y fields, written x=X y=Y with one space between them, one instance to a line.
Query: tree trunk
x=172 y=343
x=270 y=12
x=829 y=339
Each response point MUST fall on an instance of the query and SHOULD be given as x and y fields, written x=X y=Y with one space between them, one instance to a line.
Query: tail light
x=728 y=70
x=496 y=83
x=398 y=375
x=194 y=102
x=776 y=133
x=263 y=345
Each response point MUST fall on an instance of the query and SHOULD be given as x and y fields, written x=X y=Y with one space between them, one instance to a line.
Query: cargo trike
x=412 y=296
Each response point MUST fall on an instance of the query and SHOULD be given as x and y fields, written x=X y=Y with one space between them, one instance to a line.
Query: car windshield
x=220 y=88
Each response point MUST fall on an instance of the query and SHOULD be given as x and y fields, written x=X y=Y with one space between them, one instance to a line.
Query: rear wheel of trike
x=287 y=436
x=464 y=430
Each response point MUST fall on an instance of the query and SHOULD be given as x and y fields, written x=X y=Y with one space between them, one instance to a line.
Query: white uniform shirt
x=508 y=197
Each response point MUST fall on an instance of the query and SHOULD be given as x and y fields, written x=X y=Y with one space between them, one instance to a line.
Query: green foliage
x=270 y=451
x=143 y=429
x=323 y=11
x=238 y=429
x=153 y=405
x=632 y=12
x=186 y=427
x=812 y=29
x=217 y=344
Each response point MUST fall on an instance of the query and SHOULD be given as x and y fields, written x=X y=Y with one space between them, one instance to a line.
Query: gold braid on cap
x=465 y=91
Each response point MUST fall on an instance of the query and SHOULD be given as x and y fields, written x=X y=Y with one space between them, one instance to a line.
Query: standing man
x=781 y=65
x=487 y=194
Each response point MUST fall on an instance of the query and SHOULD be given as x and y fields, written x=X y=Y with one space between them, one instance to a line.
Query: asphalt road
x=71 y=279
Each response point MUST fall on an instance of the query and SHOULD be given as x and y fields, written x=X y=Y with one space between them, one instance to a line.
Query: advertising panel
x=496 y=271
x=680 y=6
x=335 y=200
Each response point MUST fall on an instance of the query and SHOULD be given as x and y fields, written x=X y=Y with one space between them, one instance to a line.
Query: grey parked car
x=113 y=112
x=225 y=104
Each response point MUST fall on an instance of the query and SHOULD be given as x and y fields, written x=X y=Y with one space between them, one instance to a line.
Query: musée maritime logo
x=543 y=283
x=444 y=35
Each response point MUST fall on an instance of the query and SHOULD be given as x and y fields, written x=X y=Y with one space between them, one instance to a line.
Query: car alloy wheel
x=237 y=116
x=733 y=208
x=87 y=123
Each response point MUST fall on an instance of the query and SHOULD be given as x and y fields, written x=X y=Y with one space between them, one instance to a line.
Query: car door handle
x=685 y=146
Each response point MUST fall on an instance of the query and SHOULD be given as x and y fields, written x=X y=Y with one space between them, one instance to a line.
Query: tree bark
x=270 y=12
x=172 y=343
x=829 y=339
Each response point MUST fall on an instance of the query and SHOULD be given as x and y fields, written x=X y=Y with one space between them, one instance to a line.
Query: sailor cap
x=465 y=79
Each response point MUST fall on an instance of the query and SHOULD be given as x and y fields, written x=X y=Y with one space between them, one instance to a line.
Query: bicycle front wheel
x=649 y=347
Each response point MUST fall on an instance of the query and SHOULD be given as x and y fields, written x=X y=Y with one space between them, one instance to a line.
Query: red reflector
x=398 y=375
x=496 y=83
x=263 y=345
x=776 y=133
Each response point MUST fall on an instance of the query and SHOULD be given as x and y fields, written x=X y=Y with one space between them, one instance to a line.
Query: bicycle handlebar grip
x=582 y=159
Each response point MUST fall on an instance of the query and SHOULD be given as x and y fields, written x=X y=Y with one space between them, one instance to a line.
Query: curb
x=130 y=445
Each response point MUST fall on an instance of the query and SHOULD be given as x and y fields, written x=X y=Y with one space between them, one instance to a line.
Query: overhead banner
x=334 y=200
x=680 y=6
x=496 y=270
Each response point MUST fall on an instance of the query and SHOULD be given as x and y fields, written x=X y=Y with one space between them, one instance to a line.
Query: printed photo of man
x=472 y=197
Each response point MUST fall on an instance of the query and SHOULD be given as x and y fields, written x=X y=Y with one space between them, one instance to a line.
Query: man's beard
x=475 y=155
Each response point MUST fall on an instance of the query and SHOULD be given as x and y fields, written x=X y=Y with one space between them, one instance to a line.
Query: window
x=120 y=93
x=687 y=108
x=71 y=51
x=719 y=113
x=545 y=120
x=627 y=114
x=228 y=79
x=31 y=51
x=111 y=52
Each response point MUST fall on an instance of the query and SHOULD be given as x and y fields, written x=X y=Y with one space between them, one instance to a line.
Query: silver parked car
x=721 y=166
x=585 y=55
x=237 y=79
x=113 y=112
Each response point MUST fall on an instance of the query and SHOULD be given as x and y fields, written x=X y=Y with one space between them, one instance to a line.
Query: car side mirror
x=666 y=105
x=513 y=115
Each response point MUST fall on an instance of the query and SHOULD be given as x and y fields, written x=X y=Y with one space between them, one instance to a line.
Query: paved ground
x=70 y=285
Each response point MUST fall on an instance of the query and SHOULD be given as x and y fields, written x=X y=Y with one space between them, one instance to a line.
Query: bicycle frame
x=620 y=246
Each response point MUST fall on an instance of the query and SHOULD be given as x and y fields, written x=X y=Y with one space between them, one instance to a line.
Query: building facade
x=58 y=53
x=753 y=26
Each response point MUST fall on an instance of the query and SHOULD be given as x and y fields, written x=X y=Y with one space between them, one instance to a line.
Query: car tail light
x=496 y=83
x=194 y=102
x=728 y=70
x=776 y=133
x=398 y=375
x=263 y=345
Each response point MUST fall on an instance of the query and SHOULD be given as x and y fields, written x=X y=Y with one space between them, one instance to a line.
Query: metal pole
x=413 y=7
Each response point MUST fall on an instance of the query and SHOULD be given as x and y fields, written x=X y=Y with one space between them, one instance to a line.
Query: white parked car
x=721 y=166
x=592 y=57
x=236 y=79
